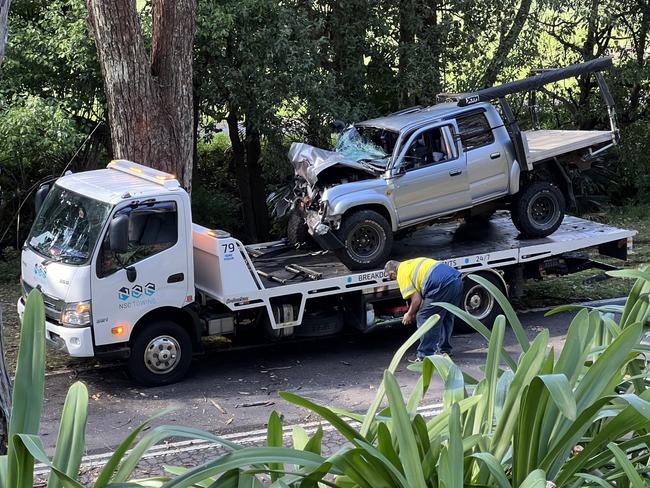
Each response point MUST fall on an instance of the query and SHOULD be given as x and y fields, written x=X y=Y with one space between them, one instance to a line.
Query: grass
x=583 y=286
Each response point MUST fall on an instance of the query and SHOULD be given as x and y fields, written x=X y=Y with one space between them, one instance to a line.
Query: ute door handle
x=176 y=278
x=495 y=155
x=455 y=172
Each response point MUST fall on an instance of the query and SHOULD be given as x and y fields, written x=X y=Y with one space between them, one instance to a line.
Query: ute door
x=156 y=262
x=429 y=177
x=487 y=163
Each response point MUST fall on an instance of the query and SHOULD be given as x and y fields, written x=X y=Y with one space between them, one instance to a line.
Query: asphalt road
x=235 y=391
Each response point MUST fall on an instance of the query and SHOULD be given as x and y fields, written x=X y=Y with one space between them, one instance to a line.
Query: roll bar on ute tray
x=532 y=84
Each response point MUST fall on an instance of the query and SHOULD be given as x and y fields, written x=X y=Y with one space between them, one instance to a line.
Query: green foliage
x=35 y=134
x=574 y=419
x=51 y=54
x=37 y=138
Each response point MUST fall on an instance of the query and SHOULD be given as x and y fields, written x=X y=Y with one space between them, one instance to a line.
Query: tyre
x=479 y=302
x=161 y=353
x=368 y=240
x=297 y=231
x=539 y=209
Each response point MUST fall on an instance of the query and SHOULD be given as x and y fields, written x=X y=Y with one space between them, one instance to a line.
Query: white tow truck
x=124 y=272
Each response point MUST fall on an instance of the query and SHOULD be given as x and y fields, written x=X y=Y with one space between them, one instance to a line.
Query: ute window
x=153 y=228
x=427 y=148
x=475 y=131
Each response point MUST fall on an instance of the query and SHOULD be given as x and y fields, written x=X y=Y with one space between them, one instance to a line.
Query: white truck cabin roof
x=121 y=177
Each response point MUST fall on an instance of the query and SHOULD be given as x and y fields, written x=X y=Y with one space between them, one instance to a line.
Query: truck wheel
x=161 y=354
x=479 y=302
x=368 y=240
x=539 y=209
x=297 y=232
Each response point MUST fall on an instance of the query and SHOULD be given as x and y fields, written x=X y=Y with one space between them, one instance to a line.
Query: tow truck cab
x=96 y=296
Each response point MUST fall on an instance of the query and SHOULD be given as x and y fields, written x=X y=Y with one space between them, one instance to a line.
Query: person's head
x=390 y=269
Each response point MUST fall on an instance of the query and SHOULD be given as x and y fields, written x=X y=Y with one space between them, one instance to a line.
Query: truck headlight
x=76 y=314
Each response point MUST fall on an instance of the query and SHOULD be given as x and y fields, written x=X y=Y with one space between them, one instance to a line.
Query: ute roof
x=109 y=185
x=399 y=121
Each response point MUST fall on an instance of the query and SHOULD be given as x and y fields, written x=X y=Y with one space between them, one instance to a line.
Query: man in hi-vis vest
x=425 y=281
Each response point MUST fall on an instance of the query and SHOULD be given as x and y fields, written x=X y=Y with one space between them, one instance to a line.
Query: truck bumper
x=77 y=342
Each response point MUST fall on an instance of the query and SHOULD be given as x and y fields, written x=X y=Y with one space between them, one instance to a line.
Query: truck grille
x=53 y=306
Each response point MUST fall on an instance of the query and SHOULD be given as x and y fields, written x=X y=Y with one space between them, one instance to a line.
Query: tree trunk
x=4 y=26
x=506 y=43
x=405 y=48
x=640 y=59
x=149 y=99
x=252 y=191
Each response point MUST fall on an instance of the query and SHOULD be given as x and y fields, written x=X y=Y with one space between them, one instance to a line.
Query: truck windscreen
x=68 y=226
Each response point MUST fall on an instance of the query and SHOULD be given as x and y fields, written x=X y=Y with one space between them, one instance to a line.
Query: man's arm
x=416 y=301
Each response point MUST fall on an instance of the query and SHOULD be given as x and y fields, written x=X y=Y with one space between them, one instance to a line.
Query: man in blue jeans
x=425 y=281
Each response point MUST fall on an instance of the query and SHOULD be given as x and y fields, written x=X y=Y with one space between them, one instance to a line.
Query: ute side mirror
x=337 y=125
x=118 y=234
x=41 y=193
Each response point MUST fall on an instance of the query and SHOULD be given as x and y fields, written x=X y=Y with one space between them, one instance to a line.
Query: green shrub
x=577 y=418
x=37 y=139
x=9 y=265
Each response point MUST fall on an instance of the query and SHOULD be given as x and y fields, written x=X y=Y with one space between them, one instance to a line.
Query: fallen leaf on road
x=218 y=407
x=346 y=363
x=255 y=404
x=279 y=367
x=229 y=421
x=244 y=393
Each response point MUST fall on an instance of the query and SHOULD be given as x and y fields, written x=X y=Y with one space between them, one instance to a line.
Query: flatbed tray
x=494 y=244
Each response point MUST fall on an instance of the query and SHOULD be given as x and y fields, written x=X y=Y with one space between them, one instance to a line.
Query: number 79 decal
x=228 y=247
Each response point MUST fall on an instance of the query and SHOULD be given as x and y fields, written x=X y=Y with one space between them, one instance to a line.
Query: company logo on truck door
x=137 y=295
x=40 y=271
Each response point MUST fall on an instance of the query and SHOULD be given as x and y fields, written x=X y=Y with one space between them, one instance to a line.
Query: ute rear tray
x=466 y=247
x=545 y=144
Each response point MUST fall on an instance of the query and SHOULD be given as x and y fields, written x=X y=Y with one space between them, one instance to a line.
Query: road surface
x=235 y=391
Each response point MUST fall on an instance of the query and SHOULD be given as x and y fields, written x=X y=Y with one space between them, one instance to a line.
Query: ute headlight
x=76 y=314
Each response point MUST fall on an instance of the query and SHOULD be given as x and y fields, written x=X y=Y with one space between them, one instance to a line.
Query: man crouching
x=425 y=281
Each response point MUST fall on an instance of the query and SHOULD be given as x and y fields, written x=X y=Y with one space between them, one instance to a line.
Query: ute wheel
x=479 y=302
x=368 y=240
x=161 y=354
x=538 y=210
x=297 y=231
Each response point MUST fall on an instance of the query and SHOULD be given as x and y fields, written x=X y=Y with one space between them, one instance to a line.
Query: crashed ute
x=462 y=157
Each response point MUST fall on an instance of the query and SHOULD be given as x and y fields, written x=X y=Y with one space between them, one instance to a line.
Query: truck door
x=487 y=163
x=153 y=273
x=429 y=176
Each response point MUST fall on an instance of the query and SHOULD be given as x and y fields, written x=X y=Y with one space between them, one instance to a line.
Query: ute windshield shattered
x=362 y=143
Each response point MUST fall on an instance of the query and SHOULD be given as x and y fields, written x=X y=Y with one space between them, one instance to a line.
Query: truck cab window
x=475 y=131
x=427 y=148
x=153 y=228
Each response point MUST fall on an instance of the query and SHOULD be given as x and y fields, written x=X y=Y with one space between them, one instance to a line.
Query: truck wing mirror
x=337 y=125
x=41 y=193
x=118 y=234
